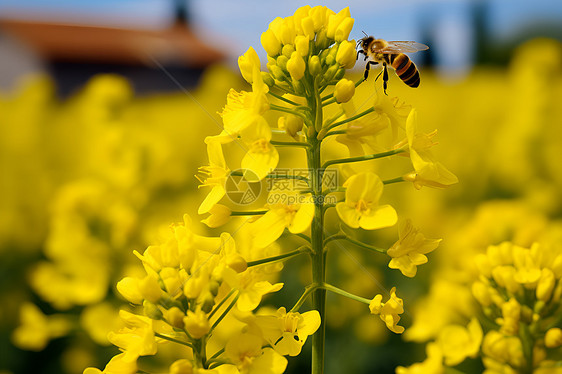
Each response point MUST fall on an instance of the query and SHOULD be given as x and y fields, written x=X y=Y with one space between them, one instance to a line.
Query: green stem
x=333 y=190
x=285 y=256
x=249 y=213
x=283 y=99
x=288 y=110
x=217 y=354
x=362 y=158
x=328 y=102
x=339 y=291
x=336 y=132
x=225 y=312
x=343 y=122
x=334 y=118
x=289 y=144
x=217 y=307
x=334 y=237
x=354 y=241
x=317 y=238
x=359 y=82
x=165 y=337
x=305 y=237
x=307 y=291
x=395 y=180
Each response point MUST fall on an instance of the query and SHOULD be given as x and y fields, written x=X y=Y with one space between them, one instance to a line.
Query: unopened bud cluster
x=310 y=46
x=520 y=291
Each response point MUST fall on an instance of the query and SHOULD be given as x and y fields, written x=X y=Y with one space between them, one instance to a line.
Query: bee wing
x=403 y=47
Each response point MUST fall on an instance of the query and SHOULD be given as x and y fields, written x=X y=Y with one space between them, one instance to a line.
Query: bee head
x=365 y=42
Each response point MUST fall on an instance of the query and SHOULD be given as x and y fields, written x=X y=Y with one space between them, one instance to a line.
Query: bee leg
x=367 y=68
x=358 y=53
x=385 y=78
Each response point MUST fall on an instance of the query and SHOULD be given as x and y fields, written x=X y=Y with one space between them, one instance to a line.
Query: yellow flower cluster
x=103 y=158
x=191 y=286
x=201 y=292
x=515 y=324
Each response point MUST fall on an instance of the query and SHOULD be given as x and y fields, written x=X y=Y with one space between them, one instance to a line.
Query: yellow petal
x=260 y=163
x=303 y=217
x=212 y=198
x=269 y=227
x=382 y=216
x=348 y=215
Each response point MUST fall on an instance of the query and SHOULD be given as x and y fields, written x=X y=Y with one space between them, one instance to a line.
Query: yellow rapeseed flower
x=287 y=332
x=246 y=353
x=458 y=342
x=294 y=214
x=136 y=338
x=428 y=171
x=410 y=250
x=361 y=207
x=217 y=172
x=389 y=311
x=262 y=157
x=117 y=365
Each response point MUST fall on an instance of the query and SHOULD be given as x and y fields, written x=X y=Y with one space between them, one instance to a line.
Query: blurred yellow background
x=98 y=154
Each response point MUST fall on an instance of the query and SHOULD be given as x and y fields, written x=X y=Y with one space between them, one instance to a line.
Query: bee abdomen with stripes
x=405 y=69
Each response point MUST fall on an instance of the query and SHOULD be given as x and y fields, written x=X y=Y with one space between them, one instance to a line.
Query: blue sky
x=235 y=25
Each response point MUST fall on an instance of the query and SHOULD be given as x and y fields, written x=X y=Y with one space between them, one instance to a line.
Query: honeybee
x=391 y=53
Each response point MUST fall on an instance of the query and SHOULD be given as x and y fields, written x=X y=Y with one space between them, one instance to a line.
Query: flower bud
x=557 y=266
x=193 y=287
x=270 y=43
x=267 y=79
x=344 y=91
x=236 y=262
x=339 y=74
x=220 y=214
x=151 y=310
x=546 y=285
x=343 y=29
x=214 y=287
x=298 y=87
x=288 y=50
x=181 y=366
x=346 y=55
x=208 y=302
x=286 y=31
x=322 y=41
x=319 y=16
x=314 y=66
x=302 y=44
x=505 y=277
x=330 y=73
x=296 y=66
x=247 y=63
x=307 y=25
x=481 y=293
x=335 y=20
x=174 y=316
x=277 y=73
x=282 y=62
x=171 y=279
x=553 y=338
x=324 y=54
x=291 y=124
x=196 y=324
x=150 y=288
x=128 y=287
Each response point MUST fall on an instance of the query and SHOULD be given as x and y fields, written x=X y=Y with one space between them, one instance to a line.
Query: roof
x=177 y=45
